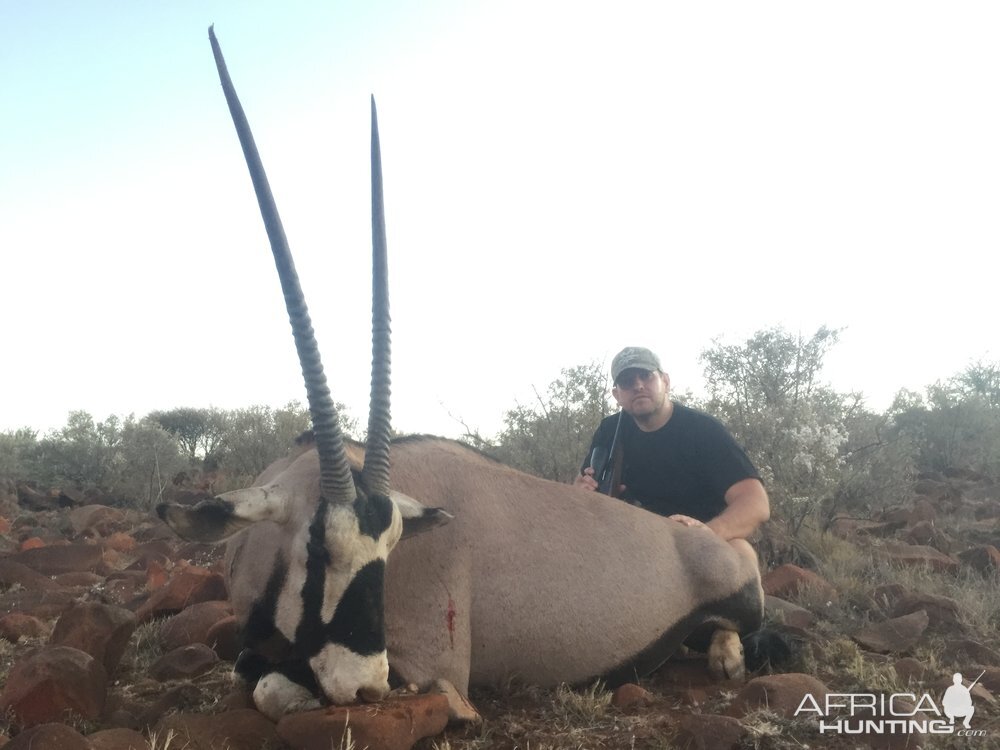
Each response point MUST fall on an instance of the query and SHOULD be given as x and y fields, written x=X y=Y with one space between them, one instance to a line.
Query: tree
x=197 y=430
x=795 y=429
x=550 y=439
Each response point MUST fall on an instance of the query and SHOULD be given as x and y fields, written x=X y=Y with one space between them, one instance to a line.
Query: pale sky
x=562 y=179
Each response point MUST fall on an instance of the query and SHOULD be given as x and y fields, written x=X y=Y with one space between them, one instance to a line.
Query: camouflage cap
x=634 y=356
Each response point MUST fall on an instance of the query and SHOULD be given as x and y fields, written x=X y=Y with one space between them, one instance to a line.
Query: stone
x=897 y=635
x=18 y=625
x=629 y=696
x=188 y=585
x=17 y=574
x=43 y=686
x=779 y=693
x=985 y=559
x=56 y=559
x=49 y=736
x=393 y=724
x=791 y=615
x=709 y=732
x=101 y=630
x=910 y=670
x=193 y=624
x=915 y=555
x=44 y=605
x=118 y=739
x=965 y=651
x=242 y=729
x=941 y=610
x=790 y=580
x=225 y=638
x=185 y=662
x=95 y=519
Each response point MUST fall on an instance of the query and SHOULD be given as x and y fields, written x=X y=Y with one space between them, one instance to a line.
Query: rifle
x=602 y=461
x=976 y=680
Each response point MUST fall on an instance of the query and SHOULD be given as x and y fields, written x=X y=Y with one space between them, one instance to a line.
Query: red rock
x=631 y=695
x=117 y=739
x=985 y=559
x=393 y=724
x=51 y=681
x=96 y=519
x=193 y=624
x=32 y=543
x=55 y=559
x=12 y=573
x=97 y=629
x=188 y=585
x=41 y=604
x=18 y=625
x=780 y=693
x=225 y=638
x=156 y=575
x=897 y=635
x=79 y=579
x=4 y=525
x=920 y=556
x=242 y=729
x=50 y=736
x=709 y=732
x=790 y=580
x=120 y=542
x=184 y=663
x=941 y=610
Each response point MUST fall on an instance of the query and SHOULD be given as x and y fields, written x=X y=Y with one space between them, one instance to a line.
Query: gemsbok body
x=526 y=579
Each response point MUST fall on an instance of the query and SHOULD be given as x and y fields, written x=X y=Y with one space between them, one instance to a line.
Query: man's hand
x=586 y=481
x=693 y=523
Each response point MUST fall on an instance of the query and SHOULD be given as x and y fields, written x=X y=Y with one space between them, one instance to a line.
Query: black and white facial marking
x=329 y=605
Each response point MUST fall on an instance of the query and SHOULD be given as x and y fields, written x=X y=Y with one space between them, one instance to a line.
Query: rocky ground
x=115 y=634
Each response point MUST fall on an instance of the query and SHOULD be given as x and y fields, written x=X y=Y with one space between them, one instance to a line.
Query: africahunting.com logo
x=895 y=713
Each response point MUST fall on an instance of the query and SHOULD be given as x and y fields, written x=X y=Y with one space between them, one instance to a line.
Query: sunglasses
x=631 y=377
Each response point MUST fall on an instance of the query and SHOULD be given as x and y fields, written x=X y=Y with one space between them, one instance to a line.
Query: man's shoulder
x=694 y=419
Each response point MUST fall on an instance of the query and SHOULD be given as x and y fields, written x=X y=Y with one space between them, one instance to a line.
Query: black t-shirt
x=685 y=467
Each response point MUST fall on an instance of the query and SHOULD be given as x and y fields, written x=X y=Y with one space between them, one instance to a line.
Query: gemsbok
x=526 y=578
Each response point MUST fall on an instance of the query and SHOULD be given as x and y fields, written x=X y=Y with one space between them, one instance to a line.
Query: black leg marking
x=743 y=608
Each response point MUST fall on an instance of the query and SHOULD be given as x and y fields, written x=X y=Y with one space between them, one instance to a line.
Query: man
x=676 y=461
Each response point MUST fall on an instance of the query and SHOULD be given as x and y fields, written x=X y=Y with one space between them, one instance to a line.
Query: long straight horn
x=376 y=468
x=336 y=482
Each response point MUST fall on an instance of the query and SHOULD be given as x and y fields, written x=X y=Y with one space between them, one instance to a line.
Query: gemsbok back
x=531 y=579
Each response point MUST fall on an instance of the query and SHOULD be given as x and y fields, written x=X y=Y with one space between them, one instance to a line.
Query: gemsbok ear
x=417 y=517
x=219 y=518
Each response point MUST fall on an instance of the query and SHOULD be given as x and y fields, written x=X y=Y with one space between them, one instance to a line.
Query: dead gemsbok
x=532 y=579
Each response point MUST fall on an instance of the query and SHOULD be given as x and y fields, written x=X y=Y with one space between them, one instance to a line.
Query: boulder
x=790 y=580
x=64 y=558
x=780 y=693
x=897 y=635
x=18 y=625
x=193 y=624
x=185 y=663
x=43 y=686
x=188 y=585
x=50 y=736
x=393 y=724
x=242 y=729
x=97 y=629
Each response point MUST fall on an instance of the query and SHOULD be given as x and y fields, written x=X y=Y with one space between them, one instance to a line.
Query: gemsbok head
x=313 y=625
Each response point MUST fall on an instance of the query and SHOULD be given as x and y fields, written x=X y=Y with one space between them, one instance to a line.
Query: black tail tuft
x=767 y=650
